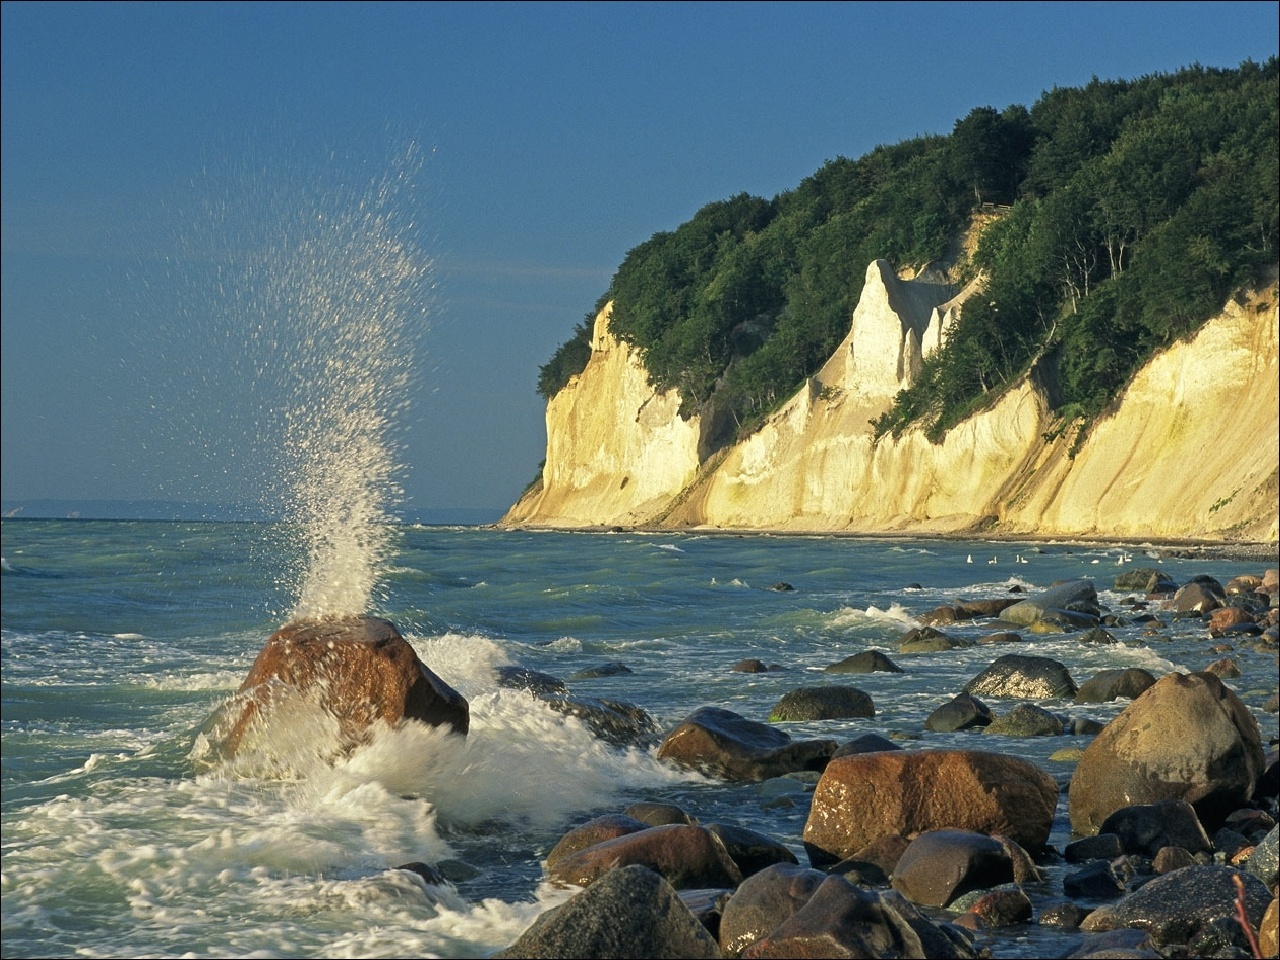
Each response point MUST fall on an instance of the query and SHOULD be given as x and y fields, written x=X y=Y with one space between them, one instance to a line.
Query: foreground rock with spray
x=358 y=670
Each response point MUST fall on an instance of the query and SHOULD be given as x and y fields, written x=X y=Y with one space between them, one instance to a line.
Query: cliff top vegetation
x=1130 y=212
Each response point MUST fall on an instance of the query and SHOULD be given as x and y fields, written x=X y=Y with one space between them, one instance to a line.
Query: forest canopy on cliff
x=1129 y=212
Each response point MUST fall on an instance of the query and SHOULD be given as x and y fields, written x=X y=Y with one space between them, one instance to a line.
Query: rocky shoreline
x=944 y=853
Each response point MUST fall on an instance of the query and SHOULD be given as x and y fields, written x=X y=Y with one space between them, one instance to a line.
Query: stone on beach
x=1188 y=737
x=358 y=669
x=632 y=912
x=686 y=856
x=724 y=744
x=862 y=797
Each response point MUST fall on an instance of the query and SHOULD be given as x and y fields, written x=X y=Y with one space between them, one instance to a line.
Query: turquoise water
x=121 y=638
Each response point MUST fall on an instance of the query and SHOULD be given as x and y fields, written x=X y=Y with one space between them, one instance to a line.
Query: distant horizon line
x=49 y=508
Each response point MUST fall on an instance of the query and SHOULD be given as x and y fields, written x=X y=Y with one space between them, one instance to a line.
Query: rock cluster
x=933 y=852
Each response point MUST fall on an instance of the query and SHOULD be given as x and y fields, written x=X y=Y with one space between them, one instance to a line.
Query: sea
x=121 y=838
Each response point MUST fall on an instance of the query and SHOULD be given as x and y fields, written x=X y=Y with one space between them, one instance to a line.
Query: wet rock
x=358 y=670
x=1265 y=862
x=867 y=743
x=1169 y=859
x=1098 y=635
x=1223 y=620
x=613 y=721
x=868 y=661
x=994 y=909
x=1117 y=945
x=724 y=744
x=1176 y=907
x=1107 y=685
x=750 y=665
x=1066 y=915
x=1017 y=676
x=1079 y=596
x=763 y=902
x=940 y=865
x=962 y=712
x=1144 y=580
x=750 y=850
x=1225 y=668
x=1026 y=720
x=686 y=856
x=1145 y=828
x=1269 y=932
x=631 y=912
x=822 y=703
x=929 y=640
x=902 y=793
x=1198 y=596
x=597 y=830
x=840 y=920
x=1097 y=880
x=536 y=682
x=614 y=669
x=1188 y=737
x=657 y=814
x=1100 y=846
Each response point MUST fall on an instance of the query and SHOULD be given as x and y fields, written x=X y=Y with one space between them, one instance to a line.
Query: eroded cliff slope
x=1188 y=452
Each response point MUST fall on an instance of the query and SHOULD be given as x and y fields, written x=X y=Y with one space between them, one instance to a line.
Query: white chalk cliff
x=1189 y=451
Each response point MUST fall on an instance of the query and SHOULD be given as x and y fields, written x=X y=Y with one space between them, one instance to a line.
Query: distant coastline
x=214 y=512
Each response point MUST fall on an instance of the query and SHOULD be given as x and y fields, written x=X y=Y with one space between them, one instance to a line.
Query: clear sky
x=556 y=137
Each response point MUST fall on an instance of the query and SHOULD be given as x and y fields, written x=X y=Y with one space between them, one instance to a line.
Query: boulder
x=822 y=703
x=1144 y=580
x=1147 y=828
x=359 y=670
x=960 y=713
x=721 y=743
x=862 y=797
x=1080 y=596
x=840 y=920
x=598 y=830
x=1201 y=595
x=1017 y=676
x=867 y=743
x=868 y=661
x=750 y=850
x=630 y=914
x=940 y=865
x=535 y=681
x=613 y=721
x=686 y=856
x=929 y=640
x=1026 y=720
x=763 y=902
x=1188 y=737
x=1107 y=685
x=655 y=813
x=1177 y=908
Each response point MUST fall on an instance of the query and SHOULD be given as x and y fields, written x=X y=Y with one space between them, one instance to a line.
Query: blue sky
x=555 y=138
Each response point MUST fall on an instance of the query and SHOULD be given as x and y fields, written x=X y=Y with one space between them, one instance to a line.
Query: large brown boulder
x=687 y=856
x=1188 y=737
x=863 y=797
x=359 y=670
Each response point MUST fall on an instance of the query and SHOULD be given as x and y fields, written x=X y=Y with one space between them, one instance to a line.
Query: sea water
x=121 y=638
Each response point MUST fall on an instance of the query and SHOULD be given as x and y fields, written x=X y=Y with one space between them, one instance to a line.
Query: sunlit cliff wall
x=1188 y=452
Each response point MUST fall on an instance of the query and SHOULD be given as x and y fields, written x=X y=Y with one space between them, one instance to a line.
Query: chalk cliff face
x=1189 y=452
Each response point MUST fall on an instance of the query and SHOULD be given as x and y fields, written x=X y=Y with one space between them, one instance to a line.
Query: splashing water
x=331 y=302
